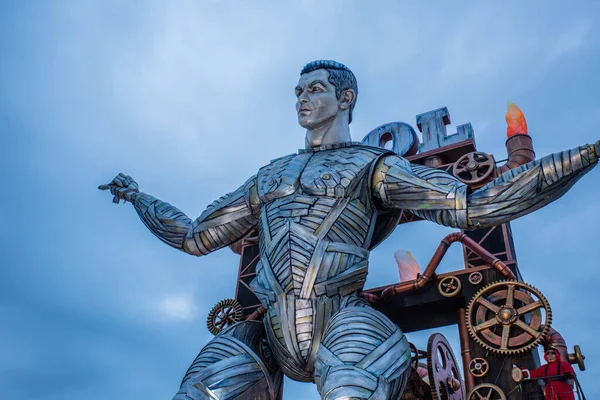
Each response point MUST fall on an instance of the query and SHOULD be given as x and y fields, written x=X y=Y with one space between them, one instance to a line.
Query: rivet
x=326 y=176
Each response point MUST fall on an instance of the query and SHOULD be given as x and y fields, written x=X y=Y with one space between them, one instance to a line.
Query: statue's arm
x=224 y=222
x=437 y=196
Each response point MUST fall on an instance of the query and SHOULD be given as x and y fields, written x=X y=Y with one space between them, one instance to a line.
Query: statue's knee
x=232 y=364
x=348 y=382
x=362 y=355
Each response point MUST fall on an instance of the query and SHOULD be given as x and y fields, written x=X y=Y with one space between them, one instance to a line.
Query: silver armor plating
x=233 y=364
x=319 y=212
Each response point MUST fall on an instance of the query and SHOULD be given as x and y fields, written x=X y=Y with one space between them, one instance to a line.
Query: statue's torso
x=316 y=224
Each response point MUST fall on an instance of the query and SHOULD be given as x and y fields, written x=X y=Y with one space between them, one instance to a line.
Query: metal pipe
x=257 y=315
x=465 y=348
x=520 y=151
x=555 y=339
x=370 y=297
x=429 y=272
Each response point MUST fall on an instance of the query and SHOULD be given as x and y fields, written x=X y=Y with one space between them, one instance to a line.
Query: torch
x=519 y=144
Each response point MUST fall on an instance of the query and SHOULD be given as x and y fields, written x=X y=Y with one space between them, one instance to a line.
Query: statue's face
x=317 y=102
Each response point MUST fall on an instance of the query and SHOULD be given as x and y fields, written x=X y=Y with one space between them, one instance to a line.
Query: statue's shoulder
x=282 y=158
x=348 y=158
x=369 y=154
x=360 y=150
x=281 y=163
x=372 y=149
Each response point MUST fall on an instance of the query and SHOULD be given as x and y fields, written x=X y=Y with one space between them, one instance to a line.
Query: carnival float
x=500 y=318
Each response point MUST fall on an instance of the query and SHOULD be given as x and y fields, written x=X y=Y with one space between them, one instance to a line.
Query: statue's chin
x=304 y=123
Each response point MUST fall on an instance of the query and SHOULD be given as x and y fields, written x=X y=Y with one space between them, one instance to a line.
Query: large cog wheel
x=224 y=314
x=508 y=317
x=444 y=376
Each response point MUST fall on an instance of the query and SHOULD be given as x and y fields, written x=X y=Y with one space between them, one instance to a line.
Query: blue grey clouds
x=93 y=306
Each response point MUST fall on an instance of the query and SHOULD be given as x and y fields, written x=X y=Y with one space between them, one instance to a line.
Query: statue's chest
x=333 y=173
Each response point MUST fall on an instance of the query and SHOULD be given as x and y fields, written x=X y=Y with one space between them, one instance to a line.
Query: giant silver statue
x=318 y=213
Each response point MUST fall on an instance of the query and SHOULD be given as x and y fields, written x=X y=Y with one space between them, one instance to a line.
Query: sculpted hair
x=340 y=76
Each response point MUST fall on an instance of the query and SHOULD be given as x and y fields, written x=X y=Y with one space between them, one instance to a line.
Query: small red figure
x=557 y=374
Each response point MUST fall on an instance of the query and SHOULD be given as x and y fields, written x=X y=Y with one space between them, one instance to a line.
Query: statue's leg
x=236 y=364
x=363 y=355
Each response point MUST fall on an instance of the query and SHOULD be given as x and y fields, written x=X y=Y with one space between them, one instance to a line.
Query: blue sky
x=190 y=98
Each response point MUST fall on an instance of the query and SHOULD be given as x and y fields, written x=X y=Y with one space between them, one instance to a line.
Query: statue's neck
x=332 y=131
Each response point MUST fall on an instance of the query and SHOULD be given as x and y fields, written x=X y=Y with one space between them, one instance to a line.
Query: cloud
x=178 y=307
x=191 y=98
x=569 y=40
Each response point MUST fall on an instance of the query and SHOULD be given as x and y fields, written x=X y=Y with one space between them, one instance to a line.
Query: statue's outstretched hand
x=123 y=187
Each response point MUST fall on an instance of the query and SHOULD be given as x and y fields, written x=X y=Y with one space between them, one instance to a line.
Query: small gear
x=475 y=278
x=475 y=167
x=486 y=391
x=479 y=367
x=225 y=313
x=443 y=372
x=508 y=317
x=449 y=286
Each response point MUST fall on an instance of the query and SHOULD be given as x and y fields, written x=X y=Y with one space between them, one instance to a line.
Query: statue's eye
x=316 y=89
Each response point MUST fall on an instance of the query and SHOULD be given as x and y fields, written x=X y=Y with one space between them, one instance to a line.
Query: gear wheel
x=508 y=317
x=486 y=391
x=479 y=367
x=225 y=313
x=475 y=167
x=449 y=286
x=475 y=278
x=444 y=376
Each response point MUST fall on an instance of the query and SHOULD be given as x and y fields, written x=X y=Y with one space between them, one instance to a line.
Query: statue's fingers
x=118 y=181
x=134 y=185
x=104 y=187
x=122 y=175
x=116 y=199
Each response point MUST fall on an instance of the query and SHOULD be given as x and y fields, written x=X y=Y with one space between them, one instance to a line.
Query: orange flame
x=515 y=120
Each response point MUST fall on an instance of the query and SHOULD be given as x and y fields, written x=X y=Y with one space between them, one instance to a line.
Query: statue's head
x=325 y=89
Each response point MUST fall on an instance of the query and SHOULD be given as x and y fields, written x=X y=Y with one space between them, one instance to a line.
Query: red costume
x=559 y=372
